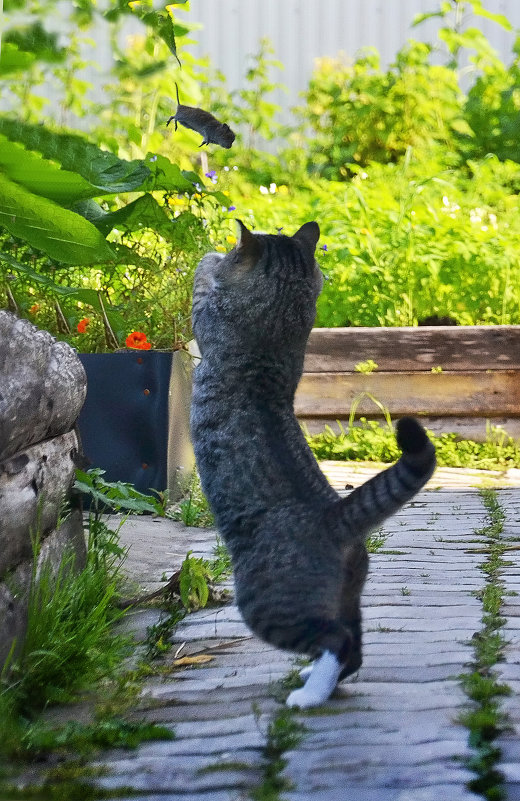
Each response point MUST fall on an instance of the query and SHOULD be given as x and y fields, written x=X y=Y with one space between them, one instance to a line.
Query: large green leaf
x=144 y=212
x=14 y=60
x=160 y=20
x=40 y=175
x=37 y=278
x=104 y=171
x=62 y=234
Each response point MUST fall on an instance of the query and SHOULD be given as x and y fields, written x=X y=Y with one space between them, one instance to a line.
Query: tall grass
x=68 y=646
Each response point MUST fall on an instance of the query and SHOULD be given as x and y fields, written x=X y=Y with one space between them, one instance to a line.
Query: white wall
x=301 y=30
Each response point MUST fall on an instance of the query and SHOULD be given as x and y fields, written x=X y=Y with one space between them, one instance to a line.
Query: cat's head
x=261 y=294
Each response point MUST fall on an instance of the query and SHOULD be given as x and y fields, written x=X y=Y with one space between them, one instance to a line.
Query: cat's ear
x=248 y=247
x=308 y=235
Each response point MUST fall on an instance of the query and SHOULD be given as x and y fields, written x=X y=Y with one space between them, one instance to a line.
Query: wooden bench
x=455 y=378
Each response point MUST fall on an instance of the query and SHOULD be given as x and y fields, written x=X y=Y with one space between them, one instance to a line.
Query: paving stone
x=511 y=770
x=374 y=776
x=387 y=734
x=212 y=795
x=161 y=777
x=422 y=613
x=438 y=792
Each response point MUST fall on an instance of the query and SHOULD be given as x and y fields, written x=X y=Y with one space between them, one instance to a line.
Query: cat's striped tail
x=370 y=504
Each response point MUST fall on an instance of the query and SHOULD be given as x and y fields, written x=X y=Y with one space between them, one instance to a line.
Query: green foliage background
x=414 y=183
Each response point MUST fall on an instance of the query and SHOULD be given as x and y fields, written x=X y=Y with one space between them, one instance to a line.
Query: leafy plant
x=83 y=738
x=69 y=643
x=402 y=242
x=193 y=582
x=371 y=441
x=158 y=635
x=117 y=496
x=193 y=509
x=357 y=113
x=455 y=33
x=48 y=182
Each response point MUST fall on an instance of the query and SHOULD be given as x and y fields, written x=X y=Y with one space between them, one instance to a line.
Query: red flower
x=34 y=308
x=138 y=341
x=82 y=325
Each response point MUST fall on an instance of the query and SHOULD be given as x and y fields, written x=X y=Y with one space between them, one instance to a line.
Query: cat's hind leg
x=306 y=671
x=333 y=640
x=354 y=659
x=323 y=677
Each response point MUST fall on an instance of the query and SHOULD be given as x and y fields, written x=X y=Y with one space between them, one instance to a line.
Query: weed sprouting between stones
x=193 y=509
x=284 y=733
x=485 y=720
x=70 y=648
x=376 y=541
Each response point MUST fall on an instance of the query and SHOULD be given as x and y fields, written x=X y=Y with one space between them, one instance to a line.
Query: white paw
x=306 y=671
x=304 y=699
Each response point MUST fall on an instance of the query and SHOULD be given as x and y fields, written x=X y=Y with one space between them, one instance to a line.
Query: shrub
x=492 y=110
x=355 y=113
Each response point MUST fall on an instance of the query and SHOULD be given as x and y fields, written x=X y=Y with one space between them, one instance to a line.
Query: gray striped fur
x=298 y=549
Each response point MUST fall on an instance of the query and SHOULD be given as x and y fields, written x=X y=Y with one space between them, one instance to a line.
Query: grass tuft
x=485 y=721
x=372 y=441
x=284 y=733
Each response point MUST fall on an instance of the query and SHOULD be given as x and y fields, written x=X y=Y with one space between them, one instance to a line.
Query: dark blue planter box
x=124 y=424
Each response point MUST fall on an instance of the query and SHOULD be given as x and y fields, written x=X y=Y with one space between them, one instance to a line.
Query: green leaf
x=14 y=60
x=116 y=495
x=193 y=585
x=35 y=277
x=500 y=19
x=144 y=212
x=462 y=127
x=120 y=7
x=62 y=234
x=35 y=39
x=160 y=21
x=40 y=175
x=168 y=176
x=419 y=18
x=107 y=173
x=89 y=209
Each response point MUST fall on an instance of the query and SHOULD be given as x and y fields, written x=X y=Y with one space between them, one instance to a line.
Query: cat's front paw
x=304 y=699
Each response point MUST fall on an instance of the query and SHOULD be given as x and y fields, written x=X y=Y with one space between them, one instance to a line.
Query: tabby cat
x=298 y=549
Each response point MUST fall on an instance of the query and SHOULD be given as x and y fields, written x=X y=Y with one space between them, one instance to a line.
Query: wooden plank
x=471 y=393
x=459 y=348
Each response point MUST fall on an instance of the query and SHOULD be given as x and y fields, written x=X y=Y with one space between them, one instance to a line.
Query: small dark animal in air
x=211 y=129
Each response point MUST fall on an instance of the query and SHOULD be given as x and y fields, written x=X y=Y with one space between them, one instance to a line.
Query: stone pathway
x=391 y=733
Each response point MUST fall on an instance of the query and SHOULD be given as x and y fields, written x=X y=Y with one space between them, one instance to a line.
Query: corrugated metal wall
x=301 y=30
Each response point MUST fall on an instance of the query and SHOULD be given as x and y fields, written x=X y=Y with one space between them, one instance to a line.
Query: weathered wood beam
x=453 y=348
x=469 y=393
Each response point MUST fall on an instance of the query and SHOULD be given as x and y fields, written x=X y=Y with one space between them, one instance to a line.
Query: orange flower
x=82 y=325
x=34 y=308
x=138 y=341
